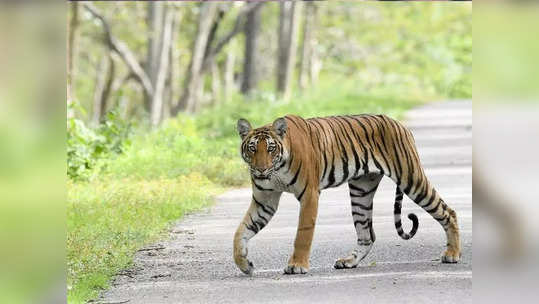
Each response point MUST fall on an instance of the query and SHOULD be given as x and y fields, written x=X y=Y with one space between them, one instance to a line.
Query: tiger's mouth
x=265 y=174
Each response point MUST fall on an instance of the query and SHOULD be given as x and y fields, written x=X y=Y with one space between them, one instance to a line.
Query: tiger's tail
x=397 y=215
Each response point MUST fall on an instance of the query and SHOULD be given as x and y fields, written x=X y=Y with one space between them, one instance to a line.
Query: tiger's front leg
x=263 y=206
x=299 y=261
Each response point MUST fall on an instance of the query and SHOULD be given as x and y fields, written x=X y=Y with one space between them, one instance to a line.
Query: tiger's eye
x=252 y=149
x=271 y=148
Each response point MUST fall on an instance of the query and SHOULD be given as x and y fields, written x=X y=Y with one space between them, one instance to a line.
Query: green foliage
x=109 y=219
x=179 y=148
x=417 y=49
x=86 y=146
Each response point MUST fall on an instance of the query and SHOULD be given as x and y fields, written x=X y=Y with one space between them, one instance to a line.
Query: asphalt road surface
x=195 y=265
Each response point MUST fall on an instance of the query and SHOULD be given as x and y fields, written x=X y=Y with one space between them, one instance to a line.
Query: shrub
x=86 y=146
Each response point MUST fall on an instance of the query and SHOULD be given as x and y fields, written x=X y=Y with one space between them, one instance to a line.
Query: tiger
x=304 y=156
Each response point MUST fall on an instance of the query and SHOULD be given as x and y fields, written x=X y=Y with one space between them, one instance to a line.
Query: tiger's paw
x=245 y=266
x=350 y=261
x=450 y=256
x=248 y=269
x=354 y=258
x=296 y=269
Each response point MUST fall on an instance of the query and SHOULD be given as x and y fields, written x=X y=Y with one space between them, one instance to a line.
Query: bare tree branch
x=122 y=50
x=238 y=26
x=213 y=31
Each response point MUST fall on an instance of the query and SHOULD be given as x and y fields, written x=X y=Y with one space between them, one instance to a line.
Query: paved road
x=196 y=266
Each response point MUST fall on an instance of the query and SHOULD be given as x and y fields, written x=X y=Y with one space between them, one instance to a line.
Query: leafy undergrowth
x=110 y=219
x=126 y=199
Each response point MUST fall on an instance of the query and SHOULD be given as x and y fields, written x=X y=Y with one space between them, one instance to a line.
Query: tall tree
x=162 y=68
x=194 y=75
x=105 y=77
x=153 y=89
x=123 y=51
x=230 y=64
x=215 y=82
x=72 y=26
x=155 y=18
x=205 y=50
x=170 y=83
x=252 y=33
x=306 y=70
x=315 y=64
x=288 y=27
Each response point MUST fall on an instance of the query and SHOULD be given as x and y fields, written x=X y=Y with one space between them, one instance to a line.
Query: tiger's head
x=264 y=148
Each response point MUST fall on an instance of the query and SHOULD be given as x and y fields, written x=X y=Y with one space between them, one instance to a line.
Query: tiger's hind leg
x=362 y=190
x=424 y=194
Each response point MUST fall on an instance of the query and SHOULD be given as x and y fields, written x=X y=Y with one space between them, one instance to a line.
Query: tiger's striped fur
x=397 y=214
x=305 y=156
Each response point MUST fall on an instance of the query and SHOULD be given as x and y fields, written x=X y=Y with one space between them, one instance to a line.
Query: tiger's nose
x=262 y=171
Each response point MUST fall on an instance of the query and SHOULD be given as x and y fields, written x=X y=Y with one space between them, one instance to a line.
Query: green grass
x=108 y=220
x=163 y=174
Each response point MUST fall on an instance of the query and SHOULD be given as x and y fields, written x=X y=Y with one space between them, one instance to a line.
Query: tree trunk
x=307 y=45
x=173 y=67
x=292 y=47
x=229 y=74
x=281 y=47
x=118 y=86
x=199 y=94
x=105 y=77
x=155 y=29
x=213 y=31
x=287 y=46
x=252 y=29
x=157 y=98
x=123 y=107
x=314 y=63
x=193 y=78
x=203 y=56
x=238 y=26
x=215 y=83
x=168 y=91
x=71 y=51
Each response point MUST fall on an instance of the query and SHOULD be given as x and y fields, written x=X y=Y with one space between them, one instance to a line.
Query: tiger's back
x=350 y=146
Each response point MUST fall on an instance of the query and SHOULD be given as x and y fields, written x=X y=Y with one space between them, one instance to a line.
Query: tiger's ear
x=243 y=127
x=280 y=126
